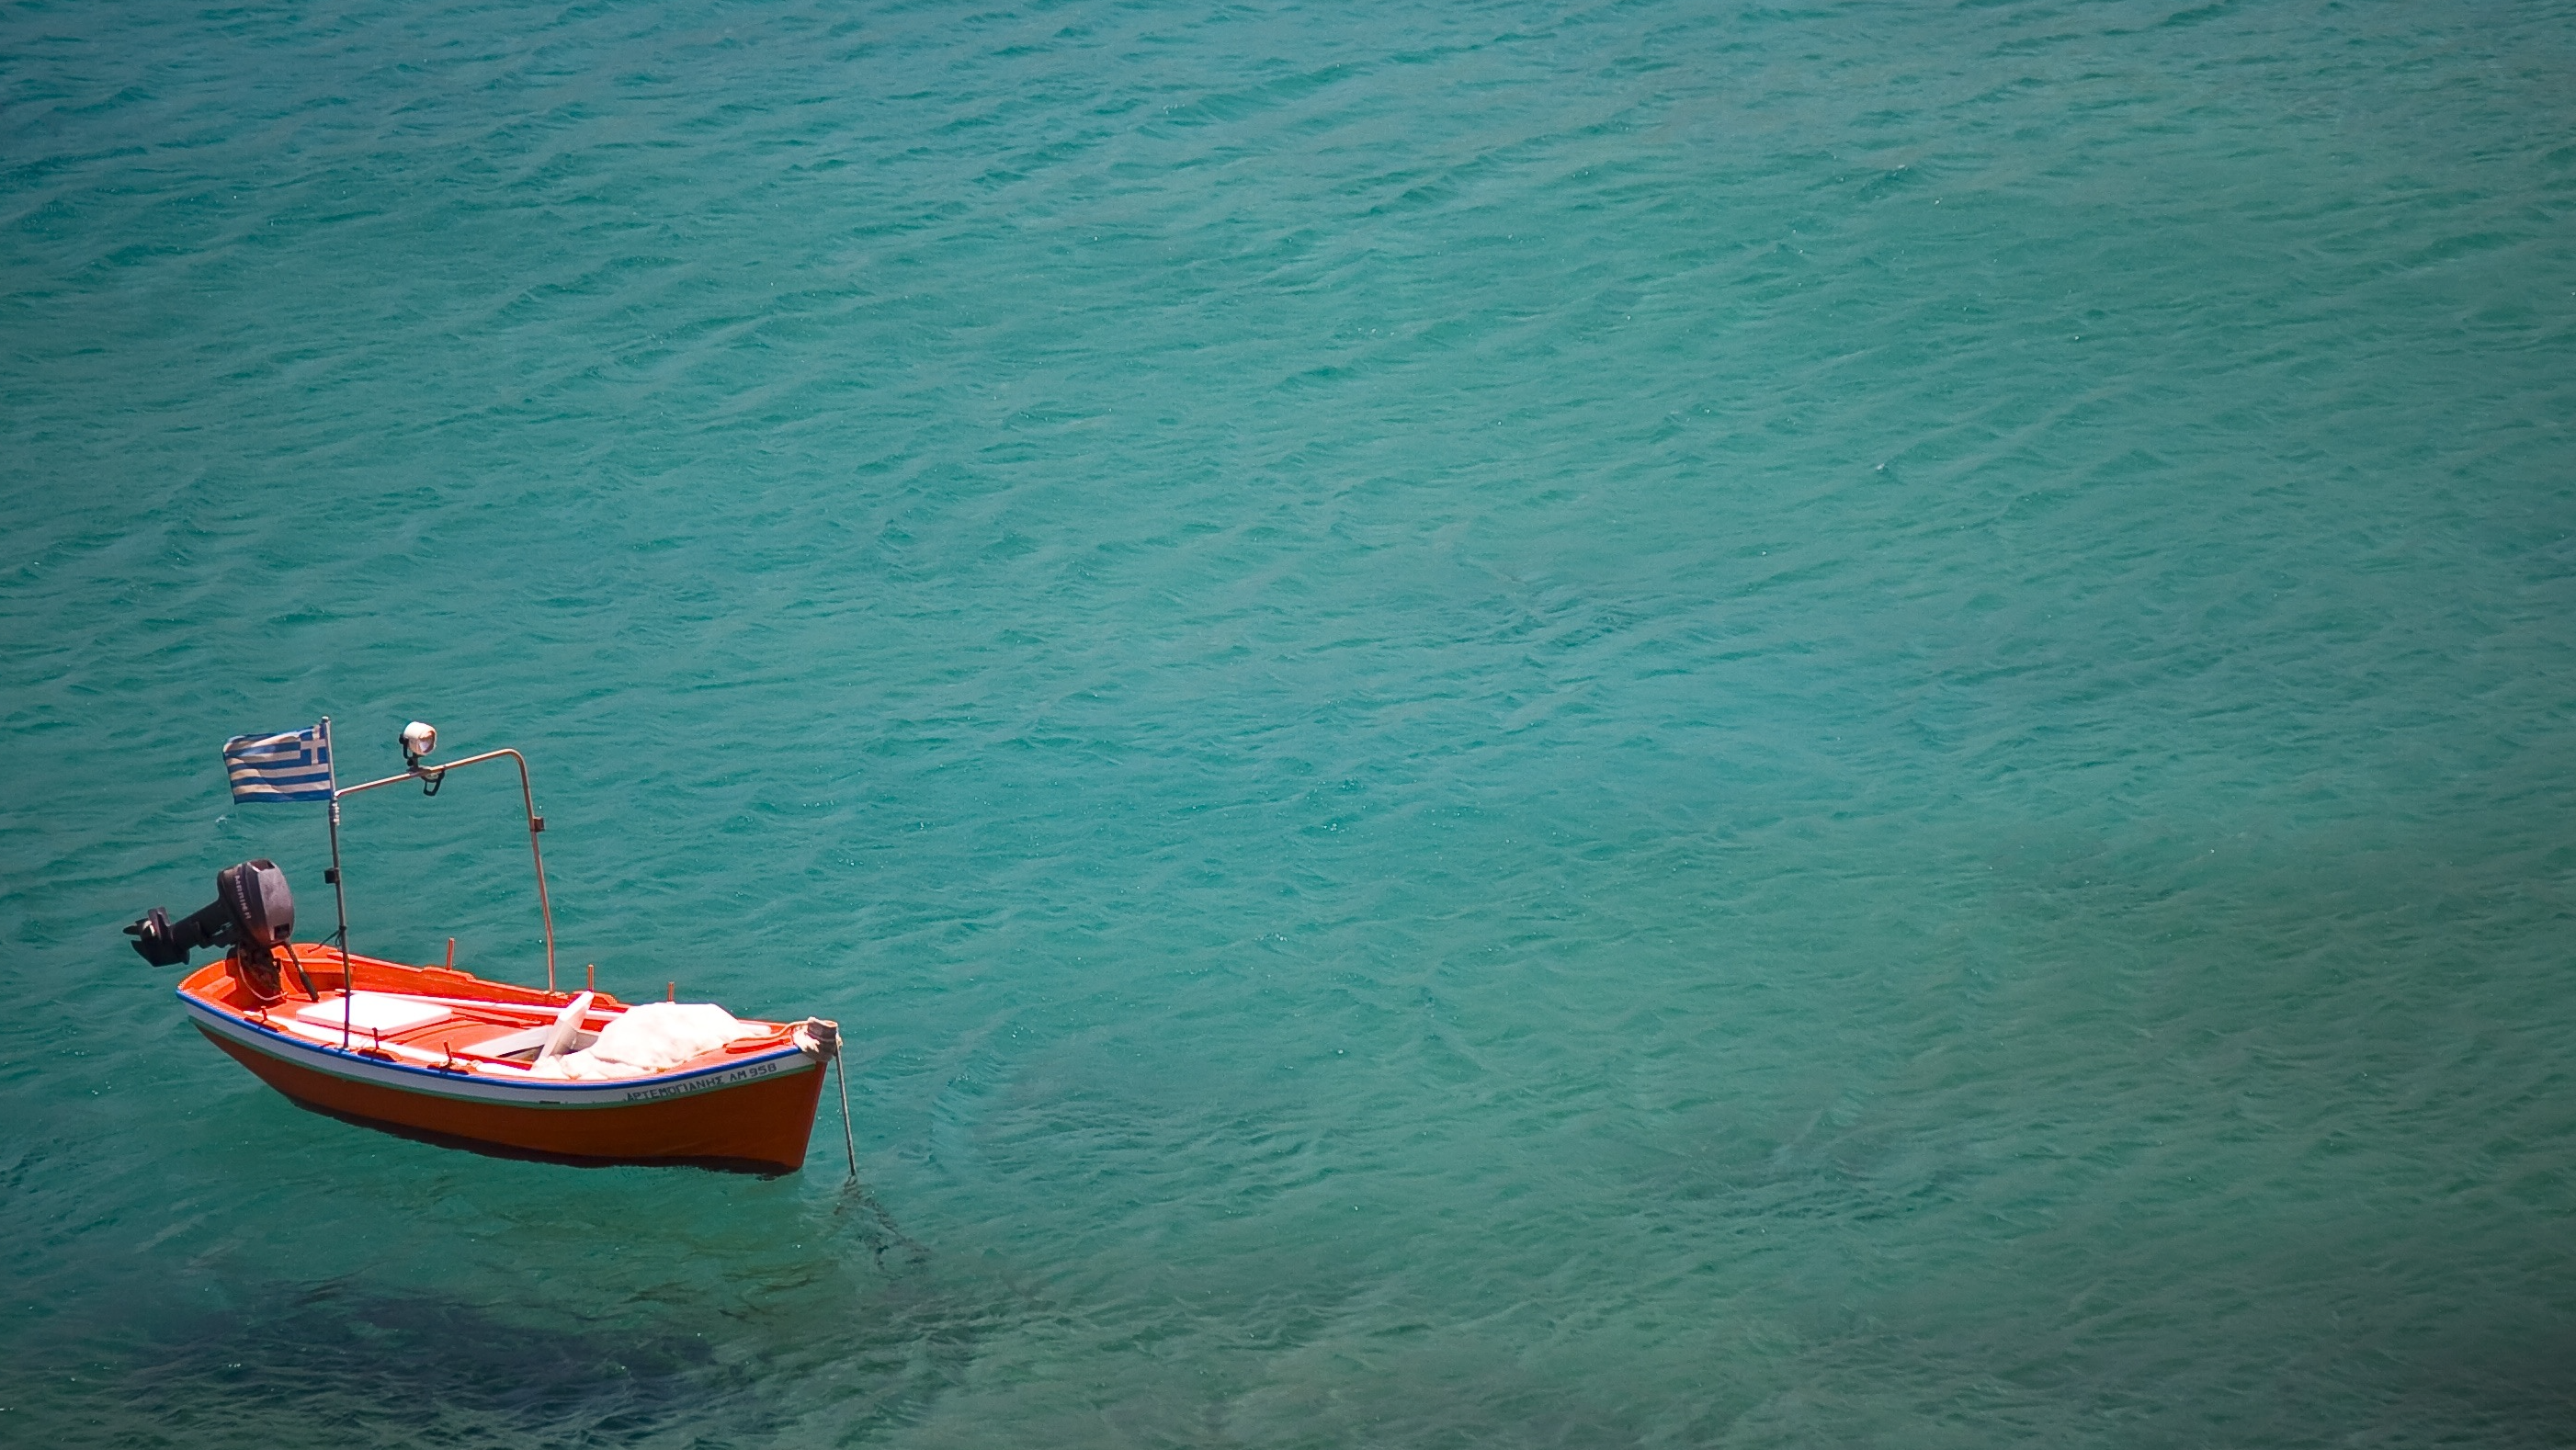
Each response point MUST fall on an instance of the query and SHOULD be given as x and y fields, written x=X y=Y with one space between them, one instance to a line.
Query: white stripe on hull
x=536 y=1093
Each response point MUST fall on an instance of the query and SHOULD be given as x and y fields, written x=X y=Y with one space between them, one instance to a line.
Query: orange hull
x=762 y=1125
x=748 y=1107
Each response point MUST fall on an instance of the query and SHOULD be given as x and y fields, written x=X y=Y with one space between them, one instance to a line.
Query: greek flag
x=295 y=766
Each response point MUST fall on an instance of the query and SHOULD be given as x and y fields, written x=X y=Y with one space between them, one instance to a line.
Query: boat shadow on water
x=349 y=1361
x=337 y=1357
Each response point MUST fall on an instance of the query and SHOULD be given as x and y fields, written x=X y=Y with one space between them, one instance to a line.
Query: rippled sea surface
x=1500 y=724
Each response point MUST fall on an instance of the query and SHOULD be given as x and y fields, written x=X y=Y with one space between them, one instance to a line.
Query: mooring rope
x=827 y=1035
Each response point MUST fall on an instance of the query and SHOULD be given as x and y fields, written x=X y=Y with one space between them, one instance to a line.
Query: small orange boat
x=451 y=1058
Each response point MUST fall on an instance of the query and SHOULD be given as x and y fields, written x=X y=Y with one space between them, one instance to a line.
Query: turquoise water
x=1501 y=725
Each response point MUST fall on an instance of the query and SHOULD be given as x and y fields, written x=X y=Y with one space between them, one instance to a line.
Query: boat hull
x=751 y=1114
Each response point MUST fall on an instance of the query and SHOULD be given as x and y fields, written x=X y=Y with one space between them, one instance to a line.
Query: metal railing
x=430 y=777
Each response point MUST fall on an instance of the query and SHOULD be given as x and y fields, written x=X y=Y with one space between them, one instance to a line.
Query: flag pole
x=340 y=895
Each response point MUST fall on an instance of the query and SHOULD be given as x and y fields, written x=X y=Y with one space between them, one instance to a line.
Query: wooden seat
x=373 y=1013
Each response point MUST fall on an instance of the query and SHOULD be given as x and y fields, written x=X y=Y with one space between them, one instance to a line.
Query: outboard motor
x=253 y=913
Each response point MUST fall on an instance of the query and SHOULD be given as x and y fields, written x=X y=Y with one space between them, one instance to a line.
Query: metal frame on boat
x=418 y=739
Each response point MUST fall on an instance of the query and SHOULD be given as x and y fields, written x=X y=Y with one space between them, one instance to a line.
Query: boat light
x=418 y=739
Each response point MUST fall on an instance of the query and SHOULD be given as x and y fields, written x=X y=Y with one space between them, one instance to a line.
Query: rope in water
x=841 y=1075
x=827 y=1035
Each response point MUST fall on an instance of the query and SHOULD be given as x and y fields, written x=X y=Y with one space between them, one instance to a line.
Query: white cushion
x=650 y=1037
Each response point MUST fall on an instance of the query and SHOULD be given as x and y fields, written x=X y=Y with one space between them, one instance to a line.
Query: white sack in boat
x=649 y=1037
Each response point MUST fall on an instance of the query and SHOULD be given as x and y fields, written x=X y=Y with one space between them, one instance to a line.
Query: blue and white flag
x=295 y=766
